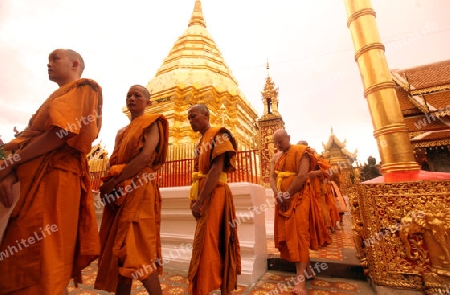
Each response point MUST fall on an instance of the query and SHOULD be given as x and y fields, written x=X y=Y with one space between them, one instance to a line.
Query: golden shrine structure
x=400 y=219
x=423 y=93
x=195 y=72
x=268 y=123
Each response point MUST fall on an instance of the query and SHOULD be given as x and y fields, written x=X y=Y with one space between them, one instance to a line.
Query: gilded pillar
x=390 y=131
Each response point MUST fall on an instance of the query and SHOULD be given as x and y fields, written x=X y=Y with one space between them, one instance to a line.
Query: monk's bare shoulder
x=276 y=157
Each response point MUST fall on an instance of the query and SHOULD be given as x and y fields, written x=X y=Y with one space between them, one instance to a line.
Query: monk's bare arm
x=315 y=173
x=141 y=161
x=273 y=175
x=301 y=177
x=212 y=178
x=47 y=142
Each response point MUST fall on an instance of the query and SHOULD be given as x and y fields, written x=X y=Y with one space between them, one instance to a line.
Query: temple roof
x=426 y=88
x=195 y=60
x=334 y=140
x=423 y=94
x=425 y=78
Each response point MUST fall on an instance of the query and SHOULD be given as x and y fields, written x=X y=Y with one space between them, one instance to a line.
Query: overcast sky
x=307 y=43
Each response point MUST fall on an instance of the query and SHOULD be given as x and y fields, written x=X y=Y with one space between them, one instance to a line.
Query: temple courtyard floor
x=340 y=273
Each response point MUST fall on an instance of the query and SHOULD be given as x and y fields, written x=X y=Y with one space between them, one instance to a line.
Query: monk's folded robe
x=292 y=228
x=130 y=236
x=55 y=212
x=216 y=258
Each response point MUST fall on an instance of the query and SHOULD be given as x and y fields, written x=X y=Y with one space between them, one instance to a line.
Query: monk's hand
x=107 y=193
x=6 y=190
x=107 y=187
x=285 y=201
x=196 y=209
x=5 y=169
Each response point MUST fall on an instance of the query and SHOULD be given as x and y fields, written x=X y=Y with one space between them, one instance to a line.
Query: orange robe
x=216 y=259
x=340 y=202
x=293 y=230
x=331 y=203
x=130 y=237
x=319 y=207
x=55 y=212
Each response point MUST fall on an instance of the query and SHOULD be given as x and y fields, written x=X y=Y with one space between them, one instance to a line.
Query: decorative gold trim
x=391 y=129
x=365 y=48
x=357 y=14
x=434 y=143
x=431 y=89
x=378 y=87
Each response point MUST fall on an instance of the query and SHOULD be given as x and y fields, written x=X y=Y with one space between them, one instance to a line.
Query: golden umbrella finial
x=197 y=15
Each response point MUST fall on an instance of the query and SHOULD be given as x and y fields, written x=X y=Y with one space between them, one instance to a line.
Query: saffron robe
x=293 y=229
x=216 y=259
x=340 y=202
x=130 y=237
x=55 y=212
x=331 y=203
x=318 y=204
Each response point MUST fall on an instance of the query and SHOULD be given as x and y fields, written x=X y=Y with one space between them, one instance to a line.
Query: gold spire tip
x=197 y=15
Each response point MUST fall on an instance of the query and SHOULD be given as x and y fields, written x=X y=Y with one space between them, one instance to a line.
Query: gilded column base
x=402 y=233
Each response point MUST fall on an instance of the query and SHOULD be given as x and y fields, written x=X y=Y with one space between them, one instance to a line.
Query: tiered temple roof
x=336 y=152
x=423 y=93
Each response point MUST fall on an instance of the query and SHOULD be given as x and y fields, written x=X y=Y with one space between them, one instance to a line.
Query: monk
x=332 y=207
x=52 y=232
x=288 y=180
x=334 y=185
x=216 y=259
x=130 y=228
x=322 y=223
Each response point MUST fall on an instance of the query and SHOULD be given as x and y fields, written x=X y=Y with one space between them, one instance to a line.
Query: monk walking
x=52 y=232
x=130 y=229
x=288 y=176
x=216 y=259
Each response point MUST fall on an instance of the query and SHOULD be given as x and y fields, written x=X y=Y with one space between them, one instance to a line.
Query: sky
x=306 y=42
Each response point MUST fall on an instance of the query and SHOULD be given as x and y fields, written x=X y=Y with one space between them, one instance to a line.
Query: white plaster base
x=178 y=227
x=269 y=213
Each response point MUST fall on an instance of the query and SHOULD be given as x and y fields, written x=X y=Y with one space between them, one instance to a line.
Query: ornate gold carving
x=401 y=232
x=435 y=228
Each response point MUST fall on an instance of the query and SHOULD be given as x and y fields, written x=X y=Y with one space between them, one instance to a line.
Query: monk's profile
x=130 y=228
x=216 y=259
x=52 y=232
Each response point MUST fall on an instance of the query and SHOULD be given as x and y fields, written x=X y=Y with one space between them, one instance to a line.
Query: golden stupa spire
x=268 y=68
x=197 y=15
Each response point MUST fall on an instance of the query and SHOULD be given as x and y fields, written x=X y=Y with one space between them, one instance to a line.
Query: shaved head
x=280 y=133
x=303 y=142
x=203 y=109
x=145 y=90
x=198 y=116
x=282 y=140
x=73 y=55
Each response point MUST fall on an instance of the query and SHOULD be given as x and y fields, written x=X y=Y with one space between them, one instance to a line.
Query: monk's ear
x=149 y=102
x=75 y=64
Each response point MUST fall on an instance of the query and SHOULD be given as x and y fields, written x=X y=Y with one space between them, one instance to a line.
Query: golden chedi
x=195 y=72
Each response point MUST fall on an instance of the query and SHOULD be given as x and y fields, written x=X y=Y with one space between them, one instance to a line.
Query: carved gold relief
x=401 y=233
